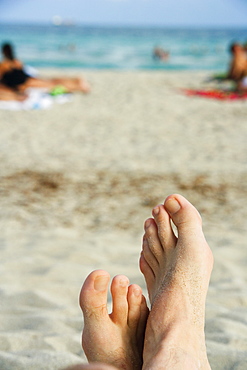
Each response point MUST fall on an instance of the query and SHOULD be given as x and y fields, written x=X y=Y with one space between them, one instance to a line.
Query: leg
x=115 y=339
x=242 y=84
x=8 y=94
x=177 y=272
x=71 y=84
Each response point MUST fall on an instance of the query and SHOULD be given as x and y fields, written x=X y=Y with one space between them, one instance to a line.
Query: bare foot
x=177 y=273
x=115 y=339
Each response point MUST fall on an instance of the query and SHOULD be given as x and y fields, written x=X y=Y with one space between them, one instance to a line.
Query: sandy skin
x=177 y=272
x=117 y=338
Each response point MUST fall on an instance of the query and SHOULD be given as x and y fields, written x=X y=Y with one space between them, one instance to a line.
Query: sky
x=178 y=13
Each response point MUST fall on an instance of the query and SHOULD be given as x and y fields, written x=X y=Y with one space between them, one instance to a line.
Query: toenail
x=156 y=211
x=137 y=292
x=172 y=205
x=147 y=224
x=100 y=283
x=123 y=283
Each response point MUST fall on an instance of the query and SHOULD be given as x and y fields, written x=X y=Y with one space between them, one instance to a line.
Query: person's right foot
x=177 y=272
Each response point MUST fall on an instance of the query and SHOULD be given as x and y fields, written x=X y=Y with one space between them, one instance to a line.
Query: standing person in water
x=177 y=271
x=14 y=77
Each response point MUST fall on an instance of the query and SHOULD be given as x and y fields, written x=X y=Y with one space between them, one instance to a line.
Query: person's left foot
x=115 y=339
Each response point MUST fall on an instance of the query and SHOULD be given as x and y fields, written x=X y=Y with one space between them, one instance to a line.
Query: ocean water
x=121 y=47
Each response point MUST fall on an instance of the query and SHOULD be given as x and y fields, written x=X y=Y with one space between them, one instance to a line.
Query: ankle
x=179 y=344
x=172 y=358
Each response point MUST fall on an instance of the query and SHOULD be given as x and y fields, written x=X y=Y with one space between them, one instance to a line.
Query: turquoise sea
x=120 y=47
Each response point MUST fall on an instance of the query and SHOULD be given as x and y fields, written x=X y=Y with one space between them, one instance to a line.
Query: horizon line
x=125 y=25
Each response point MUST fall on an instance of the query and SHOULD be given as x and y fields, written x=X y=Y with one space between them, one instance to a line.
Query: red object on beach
x=216 y=94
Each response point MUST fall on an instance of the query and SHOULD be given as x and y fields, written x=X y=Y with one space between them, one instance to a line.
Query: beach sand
x=78 y=181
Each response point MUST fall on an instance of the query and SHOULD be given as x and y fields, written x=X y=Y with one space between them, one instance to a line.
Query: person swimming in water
x=160 y=54
x=13 y=76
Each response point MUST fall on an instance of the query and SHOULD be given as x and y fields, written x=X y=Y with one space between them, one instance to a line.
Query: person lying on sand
x=14 y=77
x=9 y=94
x=177 y=271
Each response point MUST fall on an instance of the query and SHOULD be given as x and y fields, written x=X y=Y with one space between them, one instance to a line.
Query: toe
x=149 y=256
x=134 y=301
x=146 y=269
x=163 y=222
x=143 y=318
x=184 y=215
x=119 y=291
x=151 y=238
x=93 y=296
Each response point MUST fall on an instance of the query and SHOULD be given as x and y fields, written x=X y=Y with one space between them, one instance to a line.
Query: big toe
x=93 y=296
x=184 y=215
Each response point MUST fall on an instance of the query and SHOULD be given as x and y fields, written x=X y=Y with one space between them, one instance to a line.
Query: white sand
x=78 y=181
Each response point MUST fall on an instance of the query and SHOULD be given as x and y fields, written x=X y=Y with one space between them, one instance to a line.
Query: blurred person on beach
x=245 y=46
x=160 y=54
x=177 y=271
x=8 y=94
x=238 y=66
x=15 y=79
